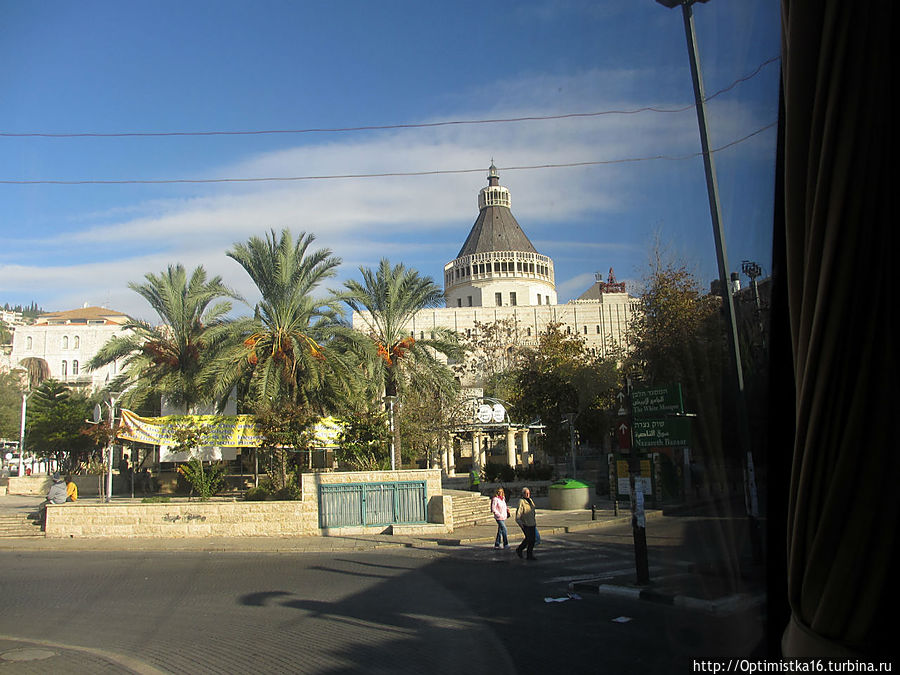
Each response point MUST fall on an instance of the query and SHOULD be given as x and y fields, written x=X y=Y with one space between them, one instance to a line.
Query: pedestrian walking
x=525 y=517
x=501 y=513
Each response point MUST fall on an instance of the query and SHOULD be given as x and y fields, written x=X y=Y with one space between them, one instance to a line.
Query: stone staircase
x=20 y=525
x=470 y=508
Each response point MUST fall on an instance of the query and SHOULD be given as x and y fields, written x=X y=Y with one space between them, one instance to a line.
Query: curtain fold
x=838 y=244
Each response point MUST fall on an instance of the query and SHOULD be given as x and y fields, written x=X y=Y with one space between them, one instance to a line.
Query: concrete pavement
x=697 y=588
x=693 y=590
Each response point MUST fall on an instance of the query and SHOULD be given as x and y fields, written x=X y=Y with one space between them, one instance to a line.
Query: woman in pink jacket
x=501 y=513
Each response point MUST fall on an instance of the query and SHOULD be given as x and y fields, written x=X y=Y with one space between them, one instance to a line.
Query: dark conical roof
x=495 y=229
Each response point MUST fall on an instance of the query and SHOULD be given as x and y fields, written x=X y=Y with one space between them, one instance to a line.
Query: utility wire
x=421 y=125
x=388 y=174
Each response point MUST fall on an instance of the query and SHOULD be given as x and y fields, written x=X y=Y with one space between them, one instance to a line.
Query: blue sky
x=113 y=67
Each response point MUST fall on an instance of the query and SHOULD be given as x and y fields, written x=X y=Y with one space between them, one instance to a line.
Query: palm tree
x=169 y=360
x=284 y=354
x=387 y=300
x=36 y=371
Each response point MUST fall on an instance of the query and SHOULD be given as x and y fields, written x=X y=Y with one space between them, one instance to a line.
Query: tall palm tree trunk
x=391 y=405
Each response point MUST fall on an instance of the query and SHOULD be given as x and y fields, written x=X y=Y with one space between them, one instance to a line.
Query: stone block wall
x=311 y=481
x=440 y=510
x=182 y=519
x=29 y=485
x=39 y=485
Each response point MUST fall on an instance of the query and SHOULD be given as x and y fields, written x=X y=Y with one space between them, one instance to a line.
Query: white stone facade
x=66 y=341
x=499 y=279
x=603 y=324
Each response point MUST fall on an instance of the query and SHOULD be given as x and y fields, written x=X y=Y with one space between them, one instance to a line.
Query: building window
x=64 y=371
x=77 y=342
x=65 y=342
x=74 y=367
x=598 y=330
x=585 y=330
x=529 y=331
x=470 y=301
x=28 y=342
x=459 y=302
x=498 y=299
x=539 y=298
x=512 y=299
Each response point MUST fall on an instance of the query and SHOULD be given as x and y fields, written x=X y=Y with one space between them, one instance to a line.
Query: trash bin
x=569 y=494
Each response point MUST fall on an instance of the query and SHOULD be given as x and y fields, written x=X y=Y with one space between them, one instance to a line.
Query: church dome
x=498 y=264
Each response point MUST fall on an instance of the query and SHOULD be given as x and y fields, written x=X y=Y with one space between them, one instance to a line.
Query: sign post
x=638 y=516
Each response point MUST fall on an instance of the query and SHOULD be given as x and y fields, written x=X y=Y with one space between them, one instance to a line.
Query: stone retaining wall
x=39 y=485
x=181 y=518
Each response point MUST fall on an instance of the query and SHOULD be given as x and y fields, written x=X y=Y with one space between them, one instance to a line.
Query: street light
x=712 y=188
x=752 y=270
x=25 y=397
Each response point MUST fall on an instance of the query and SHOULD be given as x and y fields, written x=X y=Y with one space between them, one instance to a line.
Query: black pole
x=638 y=516
x=712 y=188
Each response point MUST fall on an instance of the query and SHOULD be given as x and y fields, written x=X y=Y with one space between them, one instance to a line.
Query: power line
x=387 y=174
x=384 y=127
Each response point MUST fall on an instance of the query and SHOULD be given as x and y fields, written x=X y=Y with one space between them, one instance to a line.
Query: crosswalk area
x=564 y=560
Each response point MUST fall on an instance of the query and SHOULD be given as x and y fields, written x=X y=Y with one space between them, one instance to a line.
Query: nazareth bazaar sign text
x=666 y=432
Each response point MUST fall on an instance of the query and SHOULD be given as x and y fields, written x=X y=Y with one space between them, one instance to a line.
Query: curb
x=729 y=604
x=554 y=529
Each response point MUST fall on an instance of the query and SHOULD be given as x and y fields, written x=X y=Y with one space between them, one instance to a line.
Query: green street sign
x=657 y=401
x=664 y=432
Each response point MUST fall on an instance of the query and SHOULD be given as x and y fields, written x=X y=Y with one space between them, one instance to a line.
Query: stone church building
x=499 y=275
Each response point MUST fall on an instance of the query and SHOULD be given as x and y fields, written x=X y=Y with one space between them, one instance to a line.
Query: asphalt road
x=465 y=609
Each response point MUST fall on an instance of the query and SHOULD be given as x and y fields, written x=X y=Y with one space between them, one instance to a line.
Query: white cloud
x=421 y=220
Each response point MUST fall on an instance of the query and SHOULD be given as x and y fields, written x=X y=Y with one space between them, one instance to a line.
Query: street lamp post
x=112 y=425
x=712 y=188
x=25 y=397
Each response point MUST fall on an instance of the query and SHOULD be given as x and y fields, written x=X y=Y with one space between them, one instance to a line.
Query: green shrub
x=532 y=472
x=256 y=494
x=492 y=472
x=205 y=480
x=289 y=492
x=158 y=499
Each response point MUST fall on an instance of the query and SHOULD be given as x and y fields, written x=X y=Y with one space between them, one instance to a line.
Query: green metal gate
x=346 y=505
